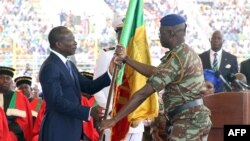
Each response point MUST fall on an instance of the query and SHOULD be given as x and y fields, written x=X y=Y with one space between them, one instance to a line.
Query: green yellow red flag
x=134 y=38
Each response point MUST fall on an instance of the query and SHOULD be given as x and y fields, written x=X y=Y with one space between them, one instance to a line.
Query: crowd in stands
x=203 y=17
x=230 y=17
x=24 y=29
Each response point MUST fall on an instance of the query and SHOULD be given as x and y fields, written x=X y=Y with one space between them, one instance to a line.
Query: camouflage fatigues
x=181 y=76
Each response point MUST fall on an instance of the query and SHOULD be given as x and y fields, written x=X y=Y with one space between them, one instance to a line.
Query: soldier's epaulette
x=109 y=48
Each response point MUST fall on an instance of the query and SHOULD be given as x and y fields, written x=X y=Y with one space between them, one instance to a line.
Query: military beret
x=172 y=20
x=23 y=80
x=7 y=71
x=87 y=74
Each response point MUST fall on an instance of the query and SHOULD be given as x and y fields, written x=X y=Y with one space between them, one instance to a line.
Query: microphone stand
x=244 y=85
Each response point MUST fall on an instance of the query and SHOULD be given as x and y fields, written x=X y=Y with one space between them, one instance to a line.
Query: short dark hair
x=56 y=35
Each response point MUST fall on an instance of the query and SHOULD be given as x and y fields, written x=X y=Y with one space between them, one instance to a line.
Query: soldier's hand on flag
x=107 y=124
x=97 y=112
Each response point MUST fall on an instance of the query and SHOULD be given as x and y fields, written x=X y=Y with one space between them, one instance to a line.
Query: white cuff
x=110 y=76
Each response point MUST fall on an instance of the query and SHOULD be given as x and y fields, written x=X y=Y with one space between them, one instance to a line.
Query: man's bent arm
x=144 y=69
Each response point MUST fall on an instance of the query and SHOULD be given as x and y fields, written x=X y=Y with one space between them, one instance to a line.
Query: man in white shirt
x=218 y=59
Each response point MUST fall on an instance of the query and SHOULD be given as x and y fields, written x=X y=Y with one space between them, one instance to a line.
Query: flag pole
x=109 y=98
x=124 y=42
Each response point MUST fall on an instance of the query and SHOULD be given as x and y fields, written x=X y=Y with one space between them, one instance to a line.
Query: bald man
x=218 y=59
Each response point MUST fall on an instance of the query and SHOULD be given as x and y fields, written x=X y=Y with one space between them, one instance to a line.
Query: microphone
x=244 y=84
x=228 y=87
x=240 y=84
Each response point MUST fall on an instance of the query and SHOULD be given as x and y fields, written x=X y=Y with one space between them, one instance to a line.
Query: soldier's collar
x=176 y=49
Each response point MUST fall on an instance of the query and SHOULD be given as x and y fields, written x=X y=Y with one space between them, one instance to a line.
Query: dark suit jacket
x=228 y=63
x=64 y=114
x=245 y=69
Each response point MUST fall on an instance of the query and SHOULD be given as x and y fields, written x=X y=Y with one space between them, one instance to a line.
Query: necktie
x=215 y=63
x=68 y=65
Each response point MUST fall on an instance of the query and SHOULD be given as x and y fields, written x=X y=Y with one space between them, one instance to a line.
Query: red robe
x=35 y=106
x=89 y=129
x=19 y=107
x=4 y=130
x=38 y=121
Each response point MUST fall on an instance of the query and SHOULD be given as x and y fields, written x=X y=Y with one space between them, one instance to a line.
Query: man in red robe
x=4 y=130
x=16 y=108
x=23 y=83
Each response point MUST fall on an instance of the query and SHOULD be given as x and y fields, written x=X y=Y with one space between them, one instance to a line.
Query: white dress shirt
x=64 y=59
x=219 y=55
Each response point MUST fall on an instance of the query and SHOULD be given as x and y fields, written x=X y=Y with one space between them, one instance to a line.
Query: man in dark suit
x=245 y=69
x=62 y=84
x=217 y=59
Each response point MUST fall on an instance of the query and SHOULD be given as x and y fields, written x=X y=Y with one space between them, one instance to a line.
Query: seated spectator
x=16 y=107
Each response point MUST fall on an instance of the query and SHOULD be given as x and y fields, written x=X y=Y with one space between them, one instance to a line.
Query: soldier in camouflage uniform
x=181 y=76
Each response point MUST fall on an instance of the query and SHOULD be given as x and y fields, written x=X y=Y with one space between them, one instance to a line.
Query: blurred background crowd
x=24 y=27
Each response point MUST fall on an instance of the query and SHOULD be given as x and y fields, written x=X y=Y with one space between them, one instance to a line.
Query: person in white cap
x=102 y=63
